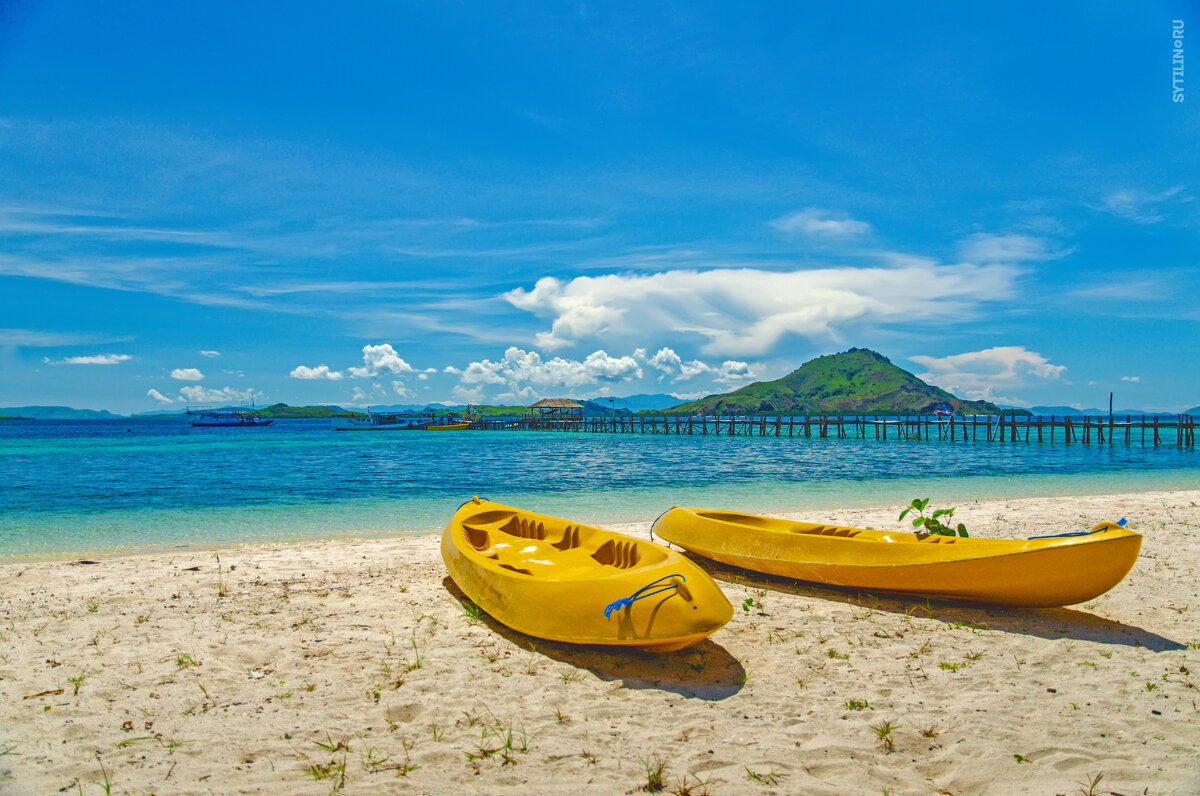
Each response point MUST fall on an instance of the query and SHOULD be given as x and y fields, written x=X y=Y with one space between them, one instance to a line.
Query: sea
x=109 y=487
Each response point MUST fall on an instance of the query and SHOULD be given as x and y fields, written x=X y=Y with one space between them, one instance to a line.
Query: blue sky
x=404 y=203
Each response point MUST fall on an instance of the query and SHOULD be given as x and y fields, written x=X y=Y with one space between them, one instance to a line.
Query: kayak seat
x=478 y=537
x=827 y=530
x=569 y=540
x=524 y=529
x=619 y=554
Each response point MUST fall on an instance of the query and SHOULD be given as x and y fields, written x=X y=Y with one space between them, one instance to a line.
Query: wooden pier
x=1085 y=430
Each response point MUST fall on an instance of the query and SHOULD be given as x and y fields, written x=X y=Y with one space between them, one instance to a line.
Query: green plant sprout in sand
x=933 y=524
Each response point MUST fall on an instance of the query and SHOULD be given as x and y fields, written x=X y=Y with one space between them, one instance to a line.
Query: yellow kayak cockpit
x=555 y=579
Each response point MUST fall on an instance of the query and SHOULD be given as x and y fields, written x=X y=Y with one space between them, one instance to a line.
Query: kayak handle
x=625 y=602
x=659 y=517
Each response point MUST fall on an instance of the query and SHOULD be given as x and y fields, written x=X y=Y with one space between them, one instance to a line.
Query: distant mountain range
x=57 y=413
x=1070 y=411
x=857 y=381
x=854 y=382
x=638 y=403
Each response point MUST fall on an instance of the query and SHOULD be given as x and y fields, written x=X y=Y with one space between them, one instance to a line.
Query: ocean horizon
x=111 y=487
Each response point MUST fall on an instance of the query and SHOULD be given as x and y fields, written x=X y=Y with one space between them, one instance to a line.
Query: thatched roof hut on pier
x=550 y=412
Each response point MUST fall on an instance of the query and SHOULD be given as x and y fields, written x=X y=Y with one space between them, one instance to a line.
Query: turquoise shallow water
x=104 y=487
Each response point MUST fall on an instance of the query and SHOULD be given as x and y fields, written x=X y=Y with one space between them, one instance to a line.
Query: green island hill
x=854 y=382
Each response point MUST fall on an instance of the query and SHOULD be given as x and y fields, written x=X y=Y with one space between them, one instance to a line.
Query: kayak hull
x=554 y=579
x=1046 y=572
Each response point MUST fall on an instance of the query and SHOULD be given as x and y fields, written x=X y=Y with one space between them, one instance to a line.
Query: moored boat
x=559 y=580
x=212 y=418
x=1040 y=572
x=384 y=421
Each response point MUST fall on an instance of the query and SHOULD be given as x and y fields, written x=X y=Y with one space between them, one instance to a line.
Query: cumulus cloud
x=201 y=395
x=671 y=364
x=319 y=372
x=400 y=389
x=978 y=374
x=1131 y=378
x=526 y=374
x=747 y=311
x=210 y=353
x=815 y=222
x=95 y=359
x=162 y=399
x=379 y=359
x=187 y=374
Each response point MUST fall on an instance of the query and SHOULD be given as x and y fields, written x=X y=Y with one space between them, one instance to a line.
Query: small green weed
x=883 y=731
x=933 y=524
x=656 y=774
x=770 y=779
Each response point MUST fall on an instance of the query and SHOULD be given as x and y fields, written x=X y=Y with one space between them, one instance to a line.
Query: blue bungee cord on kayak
x=625 y=602
x=1120 y=522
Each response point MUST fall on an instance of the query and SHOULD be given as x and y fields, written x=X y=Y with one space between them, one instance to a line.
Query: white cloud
x=1140 y=207
x=162 y=399
x=319 y=372
x=95 y=359
x=210 y=353
x=400 y=389
x=199 y=394
x=33 y=338
x=989 y=249
x=747 y=311
x=815 y=222
x=467 y=395
x=187 y=374
x=378 y=359
x=526 y=374
x=978 y=374
x=1131 y=378
x=671 y=364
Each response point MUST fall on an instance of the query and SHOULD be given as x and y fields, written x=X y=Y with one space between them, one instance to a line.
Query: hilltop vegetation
x=855 y=382
x=283 y=411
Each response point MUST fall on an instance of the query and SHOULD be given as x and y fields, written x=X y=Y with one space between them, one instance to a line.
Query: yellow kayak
x=1039 y=572
x=558 y=580
x=448 y=427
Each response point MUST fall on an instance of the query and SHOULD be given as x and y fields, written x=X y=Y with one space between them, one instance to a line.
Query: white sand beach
x=352 y=666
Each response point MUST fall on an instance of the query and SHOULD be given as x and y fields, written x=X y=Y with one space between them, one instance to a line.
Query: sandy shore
x=352 y=665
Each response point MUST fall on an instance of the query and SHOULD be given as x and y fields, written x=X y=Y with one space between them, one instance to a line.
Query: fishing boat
x=384 y=421
x=559 y=580
x=452 y=423
x=212 y=418
x=1043 y=571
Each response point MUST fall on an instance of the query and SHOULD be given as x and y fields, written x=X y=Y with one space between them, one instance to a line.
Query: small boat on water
x=1045 y=571
x=403 y=421
x=212 y=418
x=555 y=579
x=384 y=421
